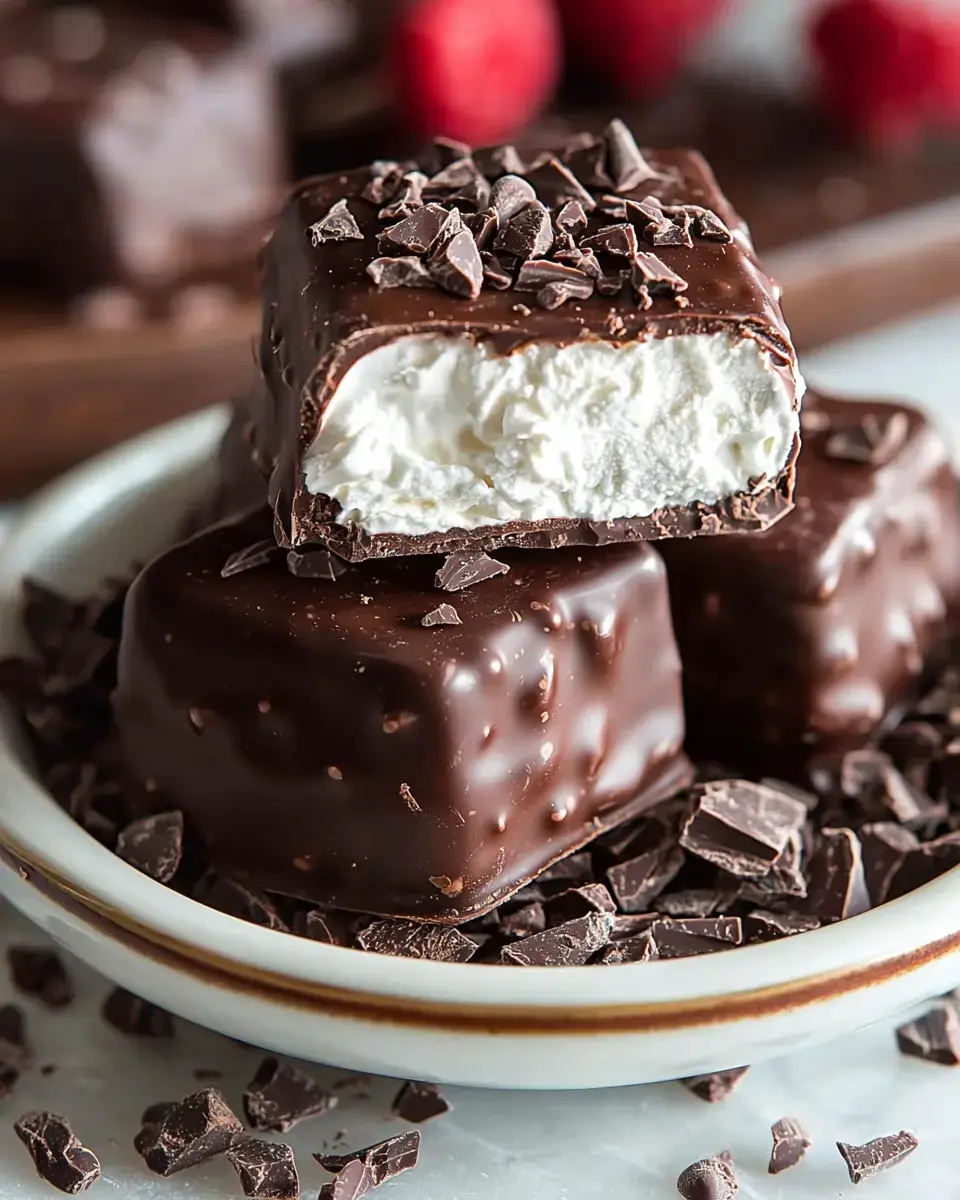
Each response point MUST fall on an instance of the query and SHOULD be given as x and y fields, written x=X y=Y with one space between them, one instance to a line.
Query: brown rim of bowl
x=526 y=1020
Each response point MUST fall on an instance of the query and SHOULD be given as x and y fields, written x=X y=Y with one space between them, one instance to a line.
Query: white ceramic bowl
x=484 y=1025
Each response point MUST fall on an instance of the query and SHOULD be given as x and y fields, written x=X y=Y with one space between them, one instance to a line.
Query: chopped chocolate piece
x=280 y=1096
x=649 y=271
x=675 y=231
x=681 y=937
x=338 y=225
x=785 y=877
x=625 y=165
x=129 y=1014
x=741 y=827
x=572 y=218
x=386 y=177
x=695 y=902
x=509 y=196
x=59 y=1157
x=925 y=864
x=709 y=1179
x=267 y=1170
x=640 y=948
x=475 y=194
x=382 y=1161
x=712 y=227
x=523 y=921
x=231 y=897
x=207 y=1074
x=456 y=266
x=873 y=440
x=554 y=282
x=197 y=1129
x=399 y=272
x=568 y=945
x=39 y=972
x=790 y=1144
x=499 y=160
x=761 y=925
x=716 y=1086
x=419 y=1102
x=870 y=778
x=443 y=614
x=315 y=564
x=154 y=845
x=352 y=1182
x=571 y=871
x=934 y=1037
x=495 y=273
x=249 y=558
x=837 y=888
x=409 y=939
x=528 y=234
x=863 y=1162
x=579 y=902
x=416 y=233
x=613 y=239
x=884 y=848
x=556 y=185
x=408 y=200
x=465 y=568
x=627 y=926
x=453 y=176
x=155 y=1113
x=483 y=225
x=638 y=881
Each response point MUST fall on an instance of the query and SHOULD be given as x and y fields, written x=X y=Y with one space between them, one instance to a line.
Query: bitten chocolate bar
x=480 y=352
x=372 y=742
x=800 y=642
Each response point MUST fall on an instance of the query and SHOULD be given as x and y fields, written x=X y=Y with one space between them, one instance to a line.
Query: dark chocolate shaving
x=528 y=234
x=248 y=559
x=39 y=972
x=338 y=225
x=317 y=563
x=613 y=239
x=199 y=1128
x=456 y=265
x=649 y=271
x=410 y=939
x=716 y=1086
x=408 y=198
x=407 y=271
x=709 y=1179
x=443 y=614
x=280 y=1096
x=380 y=1162
x=934 y=1037
x=419 y=1102
x=874 y=440
x=499 y=160
x=136 y=1017
x=416 y=233
x=741 y=827
x=154 y=845
x=267 y=1170
x=567 y=945
x=483 y=225
x=572 y=218
x=625 y=165
x=863 y=1162
x=553 y=282
x=465 y=568
x=790 y=1144
x=556 y=185
x=509 y=196
x=59 y=1157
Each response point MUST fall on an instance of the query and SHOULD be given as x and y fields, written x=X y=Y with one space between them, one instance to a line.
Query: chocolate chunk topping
x=385 y=179
x=280 y=1096
x=399 y=272
x=934 y=1037
x=567 y=945
x=741 y=827
x=59 y=1157
x=716 y=1086
x=649 y=271
x=499 y=160
x=638 y=881
x=453 y=176
x=553 y=282
x=317 y=563
x=709 y=1179
x=483 y=225
x=613 y=239
x=39 y=972
x=197 y=1129
x=130 y=1014
x=863 y=1162
x=683 y=937
x=465 y=568
x=456 y=266
x=228 y=896
x=338 y=225
x=154 y=845
x=408 y=198
x=509 y=196
x=267 y=1170
x=495 y=273
x=837 y=888
x=874 y=440
x=572 y=218
x=556 y=185
x=248 y=559
x=419 y=1102
x=443 y=614
x=380 y=1162
x=790 y=1144
x=528 y=234
x=409 y=939
x=625 y=165
x=711 y=227
x=416 y=233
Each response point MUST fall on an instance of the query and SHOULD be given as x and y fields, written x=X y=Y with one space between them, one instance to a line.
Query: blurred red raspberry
x=889 y=68
x=476 y=70
x=635 y=45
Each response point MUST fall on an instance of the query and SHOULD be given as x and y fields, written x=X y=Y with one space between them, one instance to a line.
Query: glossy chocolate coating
x=322 y=312
x=322 y=743
x=800 y=642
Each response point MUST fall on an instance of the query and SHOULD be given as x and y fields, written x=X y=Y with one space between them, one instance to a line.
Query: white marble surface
x=625 y=1144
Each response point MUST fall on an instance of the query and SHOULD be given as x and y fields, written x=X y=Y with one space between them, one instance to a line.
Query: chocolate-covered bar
x=800 y=642
x=373 y=743
x=133 y=149
x=477 y=351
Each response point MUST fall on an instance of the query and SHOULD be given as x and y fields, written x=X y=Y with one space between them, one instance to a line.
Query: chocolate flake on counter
x=715 y=1086
x=625 y=165
x=873 y=440
x=407 y=271
x=410 y=939
x=315 y=564
x=57 y=1154
x=934 y=1037
x=613 y=239
x=443 y=614
x=416 y=233
x=509 y=196
x=650 y=271
x=678 y=937
x=528 y=234
x=464 y=568
x=249 y=559
x=130 y=1014
x=380 y=1162
x=741 y=827
x=790 y=1144
x=556 y=185
x=408 y=198
x=524 y=921
x=639 y=880
x=884 y=849
x=495 y=273
x=229 y=896
x=572 y=218
x=154 y=845
x=456 y=265
x=419 y=1102
x=267 y=1170
x=762 y=925
x=338 y=225
x=280 y=1096
x=837 y=888
x=709 y=1179
x=38 y=972
x=567 y=945
x=863 y=1162
x=385 y=179
x=199 y=1128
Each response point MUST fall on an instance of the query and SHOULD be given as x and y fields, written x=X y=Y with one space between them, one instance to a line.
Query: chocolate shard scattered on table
x=715 y=1086
x=375 y=1164
x=863 y=1162
x=195 y=1130
x=131 y=1015
x=267 y=1170
x=790 y=1144
x=709 y=1179
x=280 y=1096
x=419 y=1102
x=39 y=972
x=934 y=1036
x=61 y=1160
x=154 y=845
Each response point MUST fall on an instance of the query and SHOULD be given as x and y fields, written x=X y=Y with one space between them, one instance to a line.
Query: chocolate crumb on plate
x=411 y=939
x=567 y=945
x=934 y=1037
x=464 y=568
x=39 y=972
x=790 y=1144
x=716 y=1086
x=443 y=614
x=863 y=1162
x=59 y=1157
x=129 y=1014
x=280 y=1096
x=267 y=1170
x=379 y=1162
x=154 y=845
x=199 y=1128
x=419 y=1102
x=709 y=1179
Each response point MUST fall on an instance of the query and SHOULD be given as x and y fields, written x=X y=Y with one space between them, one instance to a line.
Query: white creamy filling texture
x=432 y=433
